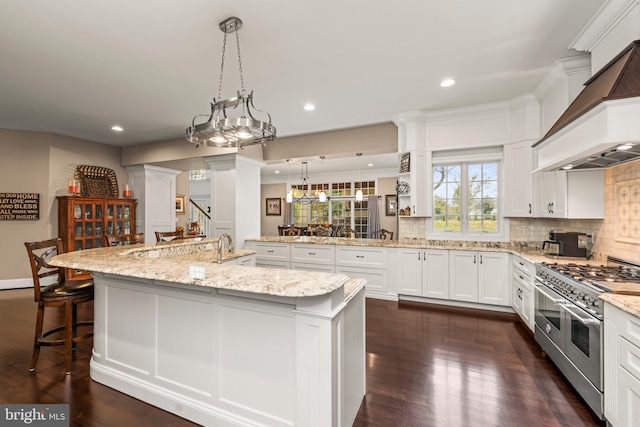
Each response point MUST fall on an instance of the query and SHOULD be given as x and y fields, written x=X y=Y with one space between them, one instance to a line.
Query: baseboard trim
x=16 y=284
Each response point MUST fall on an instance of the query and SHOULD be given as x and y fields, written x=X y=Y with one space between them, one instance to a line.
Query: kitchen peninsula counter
x=224 y=344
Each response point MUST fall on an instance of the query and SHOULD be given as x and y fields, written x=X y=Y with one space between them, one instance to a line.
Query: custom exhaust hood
x=601 y=127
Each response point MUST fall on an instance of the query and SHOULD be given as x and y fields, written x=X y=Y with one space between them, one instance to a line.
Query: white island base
x=223 y=357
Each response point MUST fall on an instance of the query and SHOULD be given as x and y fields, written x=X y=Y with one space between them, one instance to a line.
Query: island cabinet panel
x=82 y=221
x=226 y=357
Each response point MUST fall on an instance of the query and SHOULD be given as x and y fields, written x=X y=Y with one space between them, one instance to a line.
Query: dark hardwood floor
x=427 y=365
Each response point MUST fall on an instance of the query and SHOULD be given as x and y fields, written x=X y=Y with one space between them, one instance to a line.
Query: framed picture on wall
x=180 y=203
x=274 y=206
x=390 y=204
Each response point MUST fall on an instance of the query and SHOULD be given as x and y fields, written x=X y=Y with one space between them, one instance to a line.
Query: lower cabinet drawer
x=324 y=268
x=272 y=251
x=376 y=279
x=629 y=357
x=273 y=264
x=630 y=327
x=523 y=280
x=313 y=254
x=357 y=256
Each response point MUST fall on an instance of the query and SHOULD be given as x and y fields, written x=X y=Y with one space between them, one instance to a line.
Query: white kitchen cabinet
x=494 y=286
x=518 y=180
x=479 y=277
x=522 y=289
x=367 y=262
x=463 y=276
x=574 y=194
x=621 y=367
x=272 y=254
x=416 y=202
x=423 y=272
x=311 y=257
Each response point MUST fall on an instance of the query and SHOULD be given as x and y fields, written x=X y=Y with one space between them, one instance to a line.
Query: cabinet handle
x=522 y=264
x=418 y=255
x=474 y=259
x=312 y=253
x=480 y=259
x=521 y=278
x=269 y=251
x=359 y=256
x=414 y=209
x=529 y=207
x=552 y=206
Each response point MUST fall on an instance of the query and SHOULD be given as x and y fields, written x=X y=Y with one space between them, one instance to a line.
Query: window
x=466 y=198
x=337 y=210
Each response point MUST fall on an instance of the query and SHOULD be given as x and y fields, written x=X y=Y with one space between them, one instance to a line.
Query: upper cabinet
x=578 y=194
x=518 y=180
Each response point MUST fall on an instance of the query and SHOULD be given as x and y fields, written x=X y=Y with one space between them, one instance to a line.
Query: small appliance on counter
x=570 y=244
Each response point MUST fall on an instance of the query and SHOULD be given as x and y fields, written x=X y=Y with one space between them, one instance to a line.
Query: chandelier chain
x=239 y=61
x=224 y=49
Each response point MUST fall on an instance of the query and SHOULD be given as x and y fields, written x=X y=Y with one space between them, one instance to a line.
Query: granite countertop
x=191 y=262
x=628 y=303
x=530 y=253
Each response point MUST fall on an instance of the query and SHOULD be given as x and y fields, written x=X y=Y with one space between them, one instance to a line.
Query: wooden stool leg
x=68 y=334
x=36 y=344
x=74 y=326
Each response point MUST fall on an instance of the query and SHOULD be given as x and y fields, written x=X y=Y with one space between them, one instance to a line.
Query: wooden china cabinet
x=82 y=221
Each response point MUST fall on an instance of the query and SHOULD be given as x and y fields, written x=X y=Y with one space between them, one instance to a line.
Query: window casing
x=466 y=198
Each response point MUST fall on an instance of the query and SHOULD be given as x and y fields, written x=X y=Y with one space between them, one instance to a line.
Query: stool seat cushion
x=68 y=288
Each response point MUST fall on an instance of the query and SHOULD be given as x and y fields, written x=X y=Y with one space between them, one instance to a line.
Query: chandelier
x=302 y=196
x=232 y=121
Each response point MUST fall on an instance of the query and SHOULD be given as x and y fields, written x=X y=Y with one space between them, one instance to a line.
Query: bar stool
x=64 y=294
x=162 y=236
x=125 y=239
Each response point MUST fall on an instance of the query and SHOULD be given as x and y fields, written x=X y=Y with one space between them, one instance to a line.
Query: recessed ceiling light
x=277 y=172
x=567 y=167
x=625 y=147
x=117 y=128
x=447 y=82
x=370 y=164
x=309 y=107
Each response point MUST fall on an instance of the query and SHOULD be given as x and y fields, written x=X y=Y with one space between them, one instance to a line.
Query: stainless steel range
x=569 y=315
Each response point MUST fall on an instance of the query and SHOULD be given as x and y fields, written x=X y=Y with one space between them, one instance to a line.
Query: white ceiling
x=78 y=67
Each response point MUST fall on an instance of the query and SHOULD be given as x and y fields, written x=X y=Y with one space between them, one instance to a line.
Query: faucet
x=221 y=239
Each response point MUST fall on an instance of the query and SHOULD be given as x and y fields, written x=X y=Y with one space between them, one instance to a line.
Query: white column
x=155 y=189
x=235 y=196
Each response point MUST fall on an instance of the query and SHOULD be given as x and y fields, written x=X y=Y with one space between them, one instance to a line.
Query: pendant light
x=222 y=129
x=322 y=197
x=290 y=192
x=359 y=192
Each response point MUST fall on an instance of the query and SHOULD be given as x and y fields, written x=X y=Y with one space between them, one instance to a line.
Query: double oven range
x=568 y=319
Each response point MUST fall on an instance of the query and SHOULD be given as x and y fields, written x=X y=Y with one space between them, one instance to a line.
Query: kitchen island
x=222 y=344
